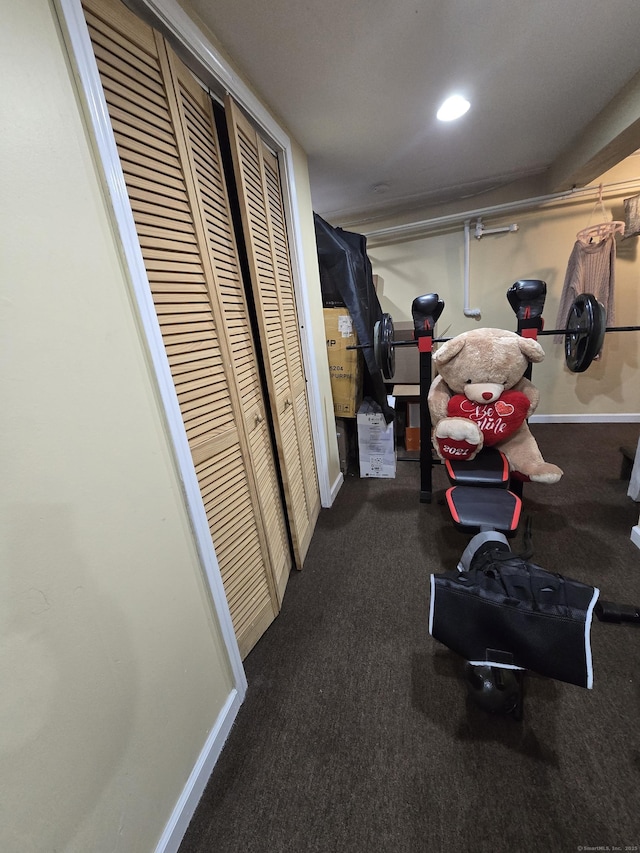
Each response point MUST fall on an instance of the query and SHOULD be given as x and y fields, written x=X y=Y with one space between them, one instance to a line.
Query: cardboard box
x=407 y=370
x=376 y=442
x=345 y=366
x=412 y=438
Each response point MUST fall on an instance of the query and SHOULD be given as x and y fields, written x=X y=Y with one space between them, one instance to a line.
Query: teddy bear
x=481 y=398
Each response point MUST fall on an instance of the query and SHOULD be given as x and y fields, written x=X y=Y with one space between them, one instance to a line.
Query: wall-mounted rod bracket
x=480 y=229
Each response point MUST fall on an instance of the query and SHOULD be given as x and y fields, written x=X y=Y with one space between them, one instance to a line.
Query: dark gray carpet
x=357 y=735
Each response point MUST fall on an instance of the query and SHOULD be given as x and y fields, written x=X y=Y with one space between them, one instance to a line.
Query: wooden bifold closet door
x=168 y=146
x=263 y=219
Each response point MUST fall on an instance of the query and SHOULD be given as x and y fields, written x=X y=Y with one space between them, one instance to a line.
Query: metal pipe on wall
x=425 y=225
x=468 y=312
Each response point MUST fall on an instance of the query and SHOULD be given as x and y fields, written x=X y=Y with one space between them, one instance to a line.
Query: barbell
x=583 y=336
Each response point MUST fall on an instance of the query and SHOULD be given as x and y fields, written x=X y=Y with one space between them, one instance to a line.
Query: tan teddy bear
x=481 y=398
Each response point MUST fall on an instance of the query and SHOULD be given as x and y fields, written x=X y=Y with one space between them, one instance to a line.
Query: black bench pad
x=489 y=468
x=474 y=510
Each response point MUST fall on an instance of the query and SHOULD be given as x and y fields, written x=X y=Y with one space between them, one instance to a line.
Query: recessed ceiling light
x=453 y=108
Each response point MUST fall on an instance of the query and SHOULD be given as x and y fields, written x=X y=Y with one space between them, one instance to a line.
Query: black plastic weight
x=584 y=335
x=383 y=346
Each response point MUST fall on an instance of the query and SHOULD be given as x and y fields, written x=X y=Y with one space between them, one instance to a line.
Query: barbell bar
x=583 y=336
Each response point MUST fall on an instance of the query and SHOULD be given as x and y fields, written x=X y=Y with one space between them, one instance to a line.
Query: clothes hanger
x=597 y=233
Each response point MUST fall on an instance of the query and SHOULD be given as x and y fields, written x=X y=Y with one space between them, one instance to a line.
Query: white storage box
x=376 y=442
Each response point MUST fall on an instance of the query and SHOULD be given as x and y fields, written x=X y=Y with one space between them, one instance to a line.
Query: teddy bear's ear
x=448 y=350
x=531 y=349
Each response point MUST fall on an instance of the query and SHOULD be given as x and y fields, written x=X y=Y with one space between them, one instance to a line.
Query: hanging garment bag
x=509 y=613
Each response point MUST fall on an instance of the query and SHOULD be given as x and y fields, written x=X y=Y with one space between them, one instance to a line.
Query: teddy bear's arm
x=531 y=392
x=438 y=399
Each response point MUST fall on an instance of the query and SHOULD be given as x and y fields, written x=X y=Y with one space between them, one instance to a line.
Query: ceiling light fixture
x=453 y=108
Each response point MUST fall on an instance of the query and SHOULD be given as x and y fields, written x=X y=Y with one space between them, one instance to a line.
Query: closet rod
x=457 y=218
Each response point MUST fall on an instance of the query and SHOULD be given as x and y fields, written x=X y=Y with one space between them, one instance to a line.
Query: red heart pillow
x=498 y=420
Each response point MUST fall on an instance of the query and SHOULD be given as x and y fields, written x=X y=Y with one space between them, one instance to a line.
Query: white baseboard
x=176 y=828
x=624 y=418
x=635 y=535
x=335 y=488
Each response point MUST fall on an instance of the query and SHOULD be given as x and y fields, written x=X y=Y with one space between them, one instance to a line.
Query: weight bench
x=485 y=504
x=479 y=499
x=503 y=615
x=473 y=508
x=480 y=503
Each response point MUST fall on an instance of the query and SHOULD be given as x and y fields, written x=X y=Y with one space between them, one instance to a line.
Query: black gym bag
x=509 y=613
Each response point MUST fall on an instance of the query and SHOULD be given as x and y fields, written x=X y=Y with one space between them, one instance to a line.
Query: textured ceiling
x=358 y=82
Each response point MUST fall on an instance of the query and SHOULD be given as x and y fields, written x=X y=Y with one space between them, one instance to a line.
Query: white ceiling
x=358 y=82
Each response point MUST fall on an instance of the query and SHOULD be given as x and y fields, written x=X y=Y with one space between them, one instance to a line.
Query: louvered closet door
x=147 y=107
x=258 y=183
x=203 y=151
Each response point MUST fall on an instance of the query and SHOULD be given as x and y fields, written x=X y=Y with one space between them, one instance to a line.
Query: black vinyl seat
x=489 y=468
x=473 y=510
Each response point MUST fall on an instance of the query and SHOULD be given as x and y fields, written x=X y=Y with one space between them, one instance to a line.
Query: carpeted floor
x=356 y=735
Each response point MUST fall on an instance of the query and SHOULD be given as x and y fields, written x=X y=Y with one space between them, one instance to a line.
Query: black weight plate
x=383 y=351
x=584 y=335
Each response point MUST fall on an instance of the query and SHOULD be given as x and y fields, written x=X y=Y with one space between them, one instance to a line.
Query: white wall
x=112 y=665
x=539 y=249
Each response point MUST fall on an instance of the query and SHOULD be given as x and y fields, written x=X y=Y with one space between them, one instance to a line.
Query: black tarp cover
x=346 y=278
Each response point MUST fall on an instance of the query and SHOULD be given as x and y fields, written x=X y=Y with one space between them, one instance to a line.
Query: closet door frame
x=214 y=71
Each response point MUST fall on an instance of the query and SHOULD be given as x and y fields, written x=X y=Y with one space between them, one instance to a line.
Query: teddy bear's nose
x=487 y=395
